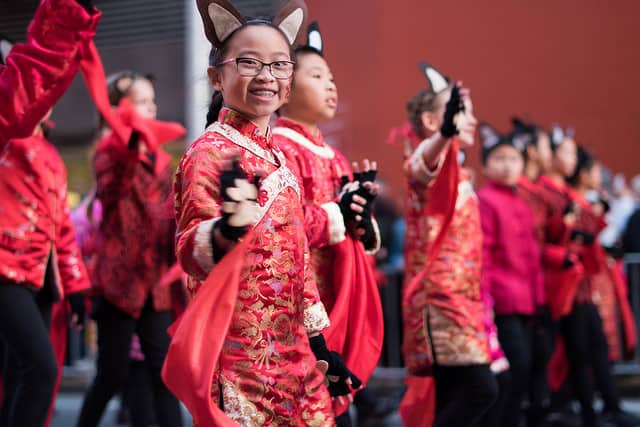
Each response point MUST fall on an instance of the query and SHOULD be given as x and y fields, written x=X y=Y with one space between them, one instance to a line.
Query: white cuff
x=337 y=229
x=202 y=249
x=419 y=169
x=500 y=365
x=316 y=318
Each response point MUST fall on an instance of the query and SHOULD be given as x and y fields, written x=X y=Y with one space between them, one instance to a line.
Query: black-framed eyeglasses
x=251 y=67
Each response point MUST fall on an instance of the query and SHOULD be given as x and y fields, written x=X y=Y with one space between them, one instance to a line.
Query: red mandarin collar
x=292 y=124
x=246 y=127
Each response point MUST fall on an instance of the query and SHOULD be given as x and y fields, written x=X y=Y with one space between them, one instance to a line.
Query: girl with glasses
x=241 y=240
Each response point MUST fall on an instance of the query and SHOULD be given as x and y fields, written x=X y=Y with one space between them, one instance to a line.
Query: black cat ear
x=437 y=81
x=314 y=37
x=5 y=48
x=488 y=135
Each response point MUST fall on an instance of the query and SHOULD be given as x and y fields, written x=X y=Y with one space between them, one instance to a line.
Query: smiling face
x=259 y=96
x=314 y=95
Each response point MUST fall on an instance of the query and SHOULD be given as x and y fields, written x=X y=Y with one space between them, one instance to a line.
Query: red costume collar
x=292 y=124
x=246 y=127
x=548 y=182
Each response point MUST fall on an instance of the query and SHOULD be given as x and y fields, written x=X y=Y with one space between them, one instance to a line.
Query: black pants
x=29 y=369
x=587 y=351
x=514 y=334
x=115 y=331
x=463 y=394
x=494 y=415
x=542 y=341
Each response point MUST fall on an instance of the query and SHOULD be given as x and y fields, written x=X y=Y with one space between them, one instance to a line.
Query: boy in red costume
x=339 y=263
x=583 y=330
x=511 y=260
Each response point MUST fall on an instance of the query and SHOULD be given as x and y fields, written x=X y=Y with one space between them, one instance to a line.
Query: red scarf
x=198 y=337
x=357 y=322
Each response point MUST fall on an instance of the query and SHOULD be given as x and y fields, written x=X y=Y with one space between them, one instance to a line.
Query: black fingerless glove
x=78 y=305
x=337 y=368
x=227 y=180
x=569 y=209
x=453 y=108
x=586 y=237
x=567 y=262
x=345 y=205
x=362 y=177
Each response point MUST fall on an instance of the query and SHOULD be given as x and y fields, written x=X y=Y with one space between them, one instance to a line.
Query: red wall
x=566 y=61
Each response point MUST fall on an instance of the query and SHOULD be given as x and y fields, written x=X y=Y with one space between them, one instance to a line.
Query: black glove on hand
x=346 y=199
x=239 y=202
x=337 y=368
x=570 y=209
x=453 y=108
x=362 y=177
x=567 y=262
x=586 y=237
x=77 y=302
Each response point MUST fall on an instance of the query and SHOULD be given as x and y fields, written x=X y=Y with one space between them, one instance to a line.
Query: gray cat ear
x=290 y=19
x=557 y=135
x=437 y=82
x=5 y=48
x=488 y=135
x=220 y=19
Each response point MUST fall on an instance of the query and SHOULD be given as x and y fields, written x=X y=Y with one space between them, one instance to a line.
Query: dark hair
x=119 y=84
x=216 y=56
x=585 y=163
x=421 y=102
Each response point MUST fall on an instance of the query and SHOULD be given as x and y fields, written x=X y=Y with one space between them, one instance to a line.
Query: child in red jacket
x=39 y=259
x=511 y=262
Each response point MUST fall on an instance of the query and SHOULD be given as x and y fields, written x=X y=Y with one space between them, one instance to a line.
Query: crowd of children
x=511 y=306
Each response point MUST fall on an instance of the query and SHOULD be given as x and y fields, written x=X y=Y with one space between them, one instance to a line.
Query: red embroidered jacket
x=266 y=370
x=35 y=224
x=319 y=168
x=136 y=229
x=40 y=71
x=561 y=282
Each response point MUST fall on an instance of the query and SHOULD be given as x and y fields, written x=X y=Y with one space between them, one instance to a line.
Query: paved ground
x=387 y=382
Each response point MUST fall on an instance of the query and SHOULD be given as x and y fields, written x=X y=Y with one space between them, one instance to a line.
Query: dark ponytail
x=214 y=107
